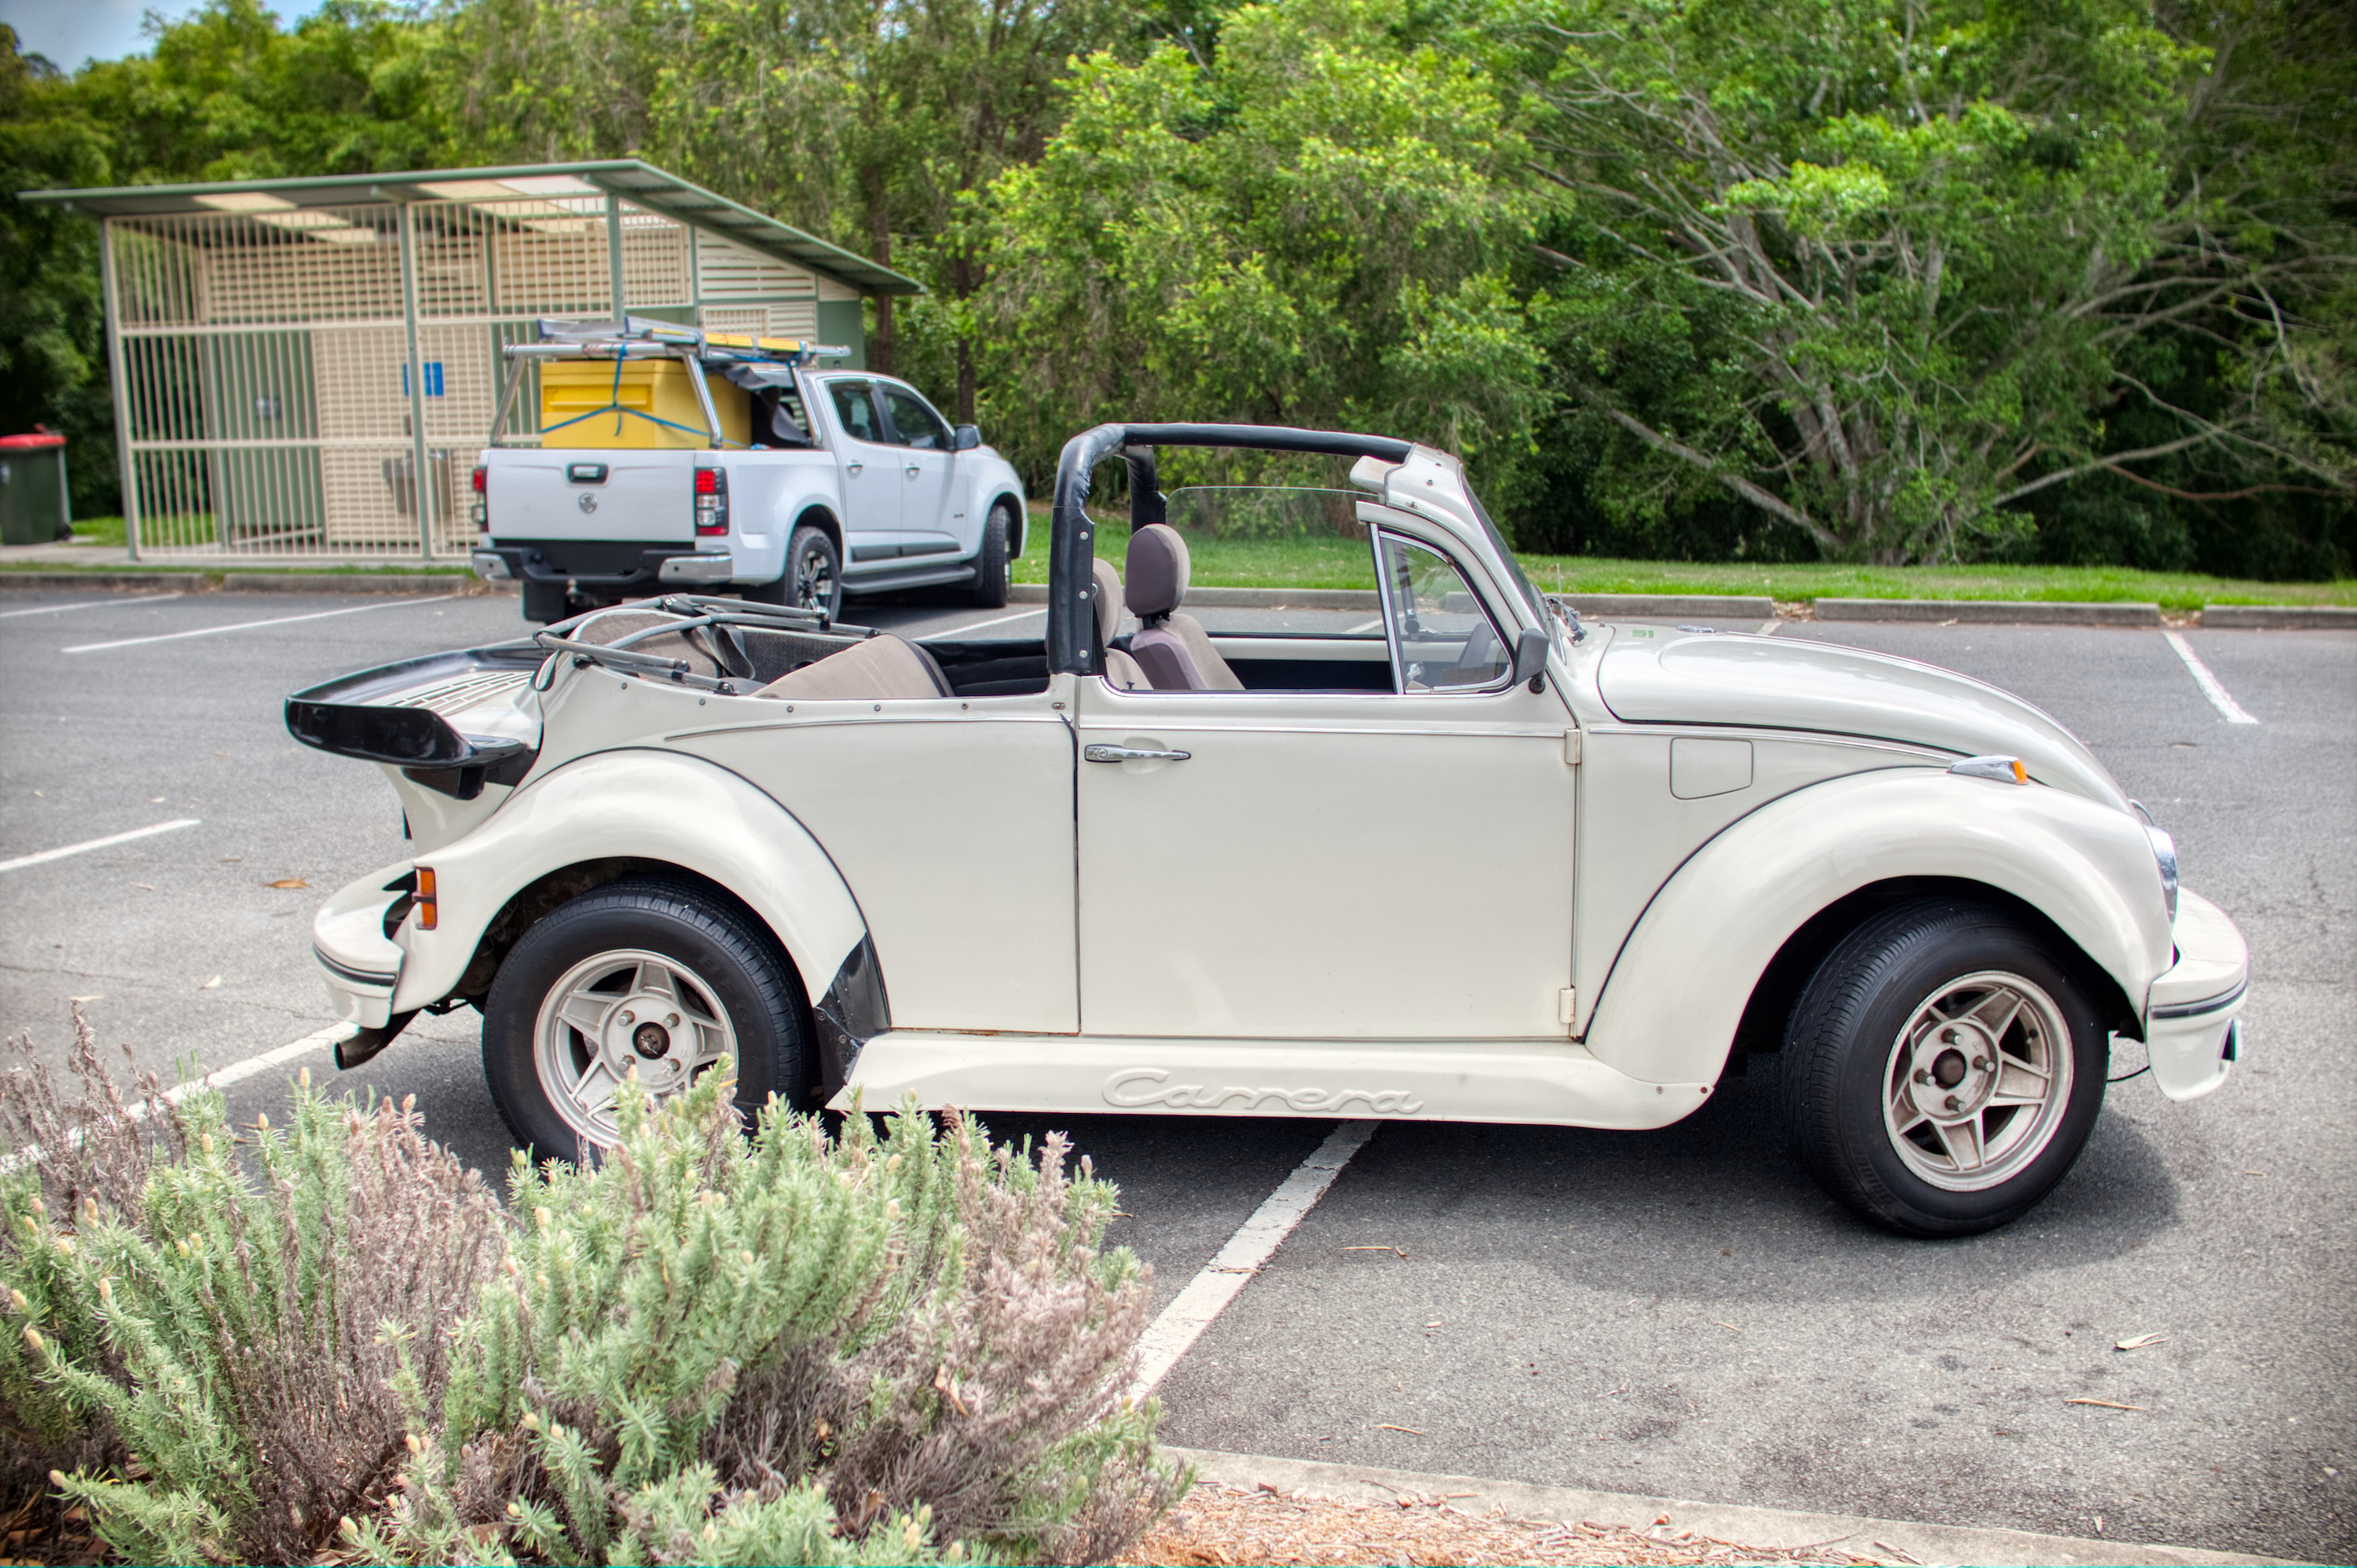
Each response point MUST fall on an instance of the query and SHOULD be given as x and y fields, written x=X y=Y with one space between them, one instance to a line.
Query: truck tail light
x=711 y=500
x=424 y=910
x=482 y=500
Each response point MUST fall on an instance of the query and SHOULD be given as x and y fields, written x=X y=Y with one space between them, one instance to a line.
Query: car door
x=1334 y=865
x=868 y=462
x=925 y=458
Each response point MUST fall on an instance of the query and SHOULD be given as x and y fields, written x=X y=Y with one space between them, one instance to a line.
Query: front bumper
x=360 y=960
x=2193 y=1016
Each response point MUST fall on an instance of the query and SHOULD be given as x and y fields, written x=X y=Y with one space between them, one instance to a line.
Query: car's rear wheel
x=1943 y=1070
x=646 y=975
x=814 y=568
x=993 y=572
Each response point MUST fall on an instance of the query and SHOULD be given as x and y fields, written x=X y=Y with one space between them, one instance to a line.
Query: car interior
x=1143 y=635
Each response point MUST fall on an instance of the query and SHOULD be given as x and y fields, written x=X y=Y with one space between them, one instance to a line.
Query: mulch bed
x=1222 y=1527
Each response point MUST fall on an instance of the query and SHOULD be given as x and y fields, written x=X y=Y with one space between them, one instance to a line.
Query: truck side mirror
x=1531 y=656
x=965 y=438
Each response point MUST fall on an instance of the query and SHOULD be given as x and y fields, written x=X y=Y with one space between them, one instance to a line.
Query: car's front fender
x=645 y=804
x=1675 y=997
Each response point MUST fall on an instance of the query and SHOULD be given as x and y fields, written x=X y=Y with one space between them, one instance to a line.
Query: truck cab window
x=854 y=409
x=916 y=424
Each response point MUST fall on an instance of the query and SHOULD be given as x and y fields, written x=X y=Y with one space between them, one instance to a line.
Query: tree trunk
x=879 y=352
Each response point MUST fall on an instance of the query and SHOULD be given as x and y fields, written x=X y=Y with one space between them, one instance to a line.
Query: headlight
x=2164 y=850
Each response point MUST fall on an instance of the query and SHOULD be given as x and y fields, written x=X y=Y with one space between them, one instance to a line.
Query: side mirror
x=965 y=438
x=1531 y=656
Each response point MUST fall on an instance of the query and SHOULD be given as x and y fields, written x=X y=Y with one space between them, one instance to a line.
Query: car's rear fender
x=1677 y=992
x=645 y=808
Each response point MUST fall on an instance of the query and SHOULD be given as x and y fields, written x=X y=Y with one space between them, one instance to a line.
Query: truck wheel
x=764 y=593
x=1942 y=1069
x=644 y=973
x=815 y=569
x=545 y=602
x=992 y=574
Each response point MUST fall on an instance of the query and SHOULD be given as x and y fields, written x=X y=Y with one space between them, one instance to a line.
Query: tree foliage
x=1877 y=279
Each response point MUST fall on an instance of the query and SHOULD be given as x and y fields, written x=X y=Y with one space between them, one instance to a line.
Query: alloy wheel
x=1976 y=1083
x=622 y=1012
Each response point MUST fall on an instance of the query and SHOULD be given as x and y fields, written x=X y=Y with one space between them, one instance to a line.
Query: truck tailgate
x=618 y=495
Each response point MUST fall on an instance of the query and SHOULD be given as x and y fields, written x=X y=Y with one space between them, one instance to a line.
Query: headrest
x=1156 y=574
x=1108 y=600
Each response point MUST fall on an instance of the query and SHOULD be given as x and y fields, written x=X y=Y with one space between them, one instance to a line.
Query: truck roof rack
x=746 y=360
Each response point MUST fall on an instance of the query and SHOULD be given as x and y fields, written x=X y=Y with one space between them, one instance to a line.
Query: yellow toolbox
x=649 y=403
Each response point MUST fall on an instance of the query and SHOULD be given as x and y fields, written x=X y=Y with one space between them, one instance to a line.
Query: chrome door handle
x=913 y=470
x=1131 y=753
x=853 y=467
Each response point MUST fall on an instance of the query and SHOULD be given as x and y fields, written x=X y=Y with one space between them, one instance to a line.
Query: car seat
x=1119 y=668
x=1172 y=649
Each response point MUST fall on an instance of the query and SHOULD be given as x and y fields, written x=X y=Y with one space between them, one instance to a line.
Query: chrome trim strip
x=357 y=976
x=2207 y=1004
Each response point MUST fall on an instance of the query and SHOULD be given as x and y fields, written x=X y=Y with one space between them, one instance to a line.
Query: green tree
x=52 y=345
x=1886 y=269
x=1314 y=230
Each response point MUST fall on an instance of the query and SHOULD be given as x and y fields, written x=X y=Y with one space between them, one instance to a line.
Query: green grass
x=101 y=530
x=1343 y=564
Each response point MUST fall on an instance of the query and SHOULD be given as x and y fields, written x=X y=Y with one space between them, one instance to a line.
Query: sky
x=72 y=31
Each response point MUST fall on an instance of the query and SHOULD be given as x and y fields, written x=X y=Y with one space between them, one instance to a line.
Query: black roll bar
x=1071 y=546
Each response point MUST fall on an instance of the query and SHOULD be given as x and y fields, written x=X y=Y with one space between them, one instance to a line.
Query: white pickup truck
x=849 y=482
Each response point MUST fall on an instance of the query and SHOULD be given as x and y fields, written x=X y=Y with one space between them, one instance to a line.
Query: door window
x=916 y=424
x=855 y=410
x=1441 y=638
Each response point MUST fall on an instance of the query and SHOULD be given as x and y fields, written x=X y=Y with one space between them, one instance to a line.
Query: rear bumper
x=600 y=569
x=359 y=962
x=2193 y=1017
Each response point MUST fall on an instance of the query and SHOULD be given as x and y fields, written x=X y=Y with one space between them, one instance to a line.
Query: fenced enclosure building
x=305 y=368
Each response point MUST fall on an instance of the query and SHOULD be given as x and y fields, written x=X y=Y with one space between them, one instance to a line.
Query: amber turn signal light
x=424 y=908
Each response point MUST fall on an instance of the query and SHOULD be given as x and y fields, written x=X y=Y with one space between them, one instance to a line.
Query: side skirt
x=1545 y=1082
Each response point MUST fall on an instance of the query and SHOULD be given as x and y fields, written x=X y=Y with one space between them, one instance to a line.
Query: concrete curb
x=1989 y=612
x=355 y=583
x=2280 y=617
x=1714 y=606
x=256 y=582
x=1751 y=1526
x=1704 y=607
x=110 y=582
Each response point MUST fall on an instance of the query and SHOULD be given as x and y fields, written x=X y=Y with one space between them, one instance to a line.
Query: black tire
x=748 y=981
x=545 y=602
x=992 y=573
x=764 y=593
x=813 y=571
x=1850 y=1080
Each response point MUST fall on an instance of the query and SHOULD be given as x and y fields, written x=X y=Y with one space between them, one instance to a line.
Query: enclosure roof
x=639 y=183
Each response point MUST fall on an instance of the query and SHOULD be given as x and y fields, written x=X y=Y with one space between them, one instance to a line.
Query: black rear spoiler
x=350 y=716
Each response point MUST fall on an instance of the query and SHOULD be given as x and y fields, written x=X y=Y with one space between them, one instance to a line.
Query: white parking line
x=2210 y=686
x=250 y=625
x=49 y=855
x=1224 y=1277
x=977 y=625
x=88 y=605
x=1363 y=625
x=217 y=1078
x=1768 y=628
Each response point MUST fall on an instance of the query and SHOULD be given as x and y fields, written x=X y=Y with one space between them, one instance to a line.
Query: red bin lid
x=30 y=443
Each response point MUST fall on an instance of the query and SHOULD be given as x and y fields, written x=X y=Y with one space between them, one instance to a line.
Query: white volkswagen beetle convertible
x=1471 y=860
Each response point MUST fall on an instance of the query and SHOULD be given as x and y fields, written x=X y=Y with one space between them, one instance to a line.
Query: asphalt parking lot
x=1677 y=1313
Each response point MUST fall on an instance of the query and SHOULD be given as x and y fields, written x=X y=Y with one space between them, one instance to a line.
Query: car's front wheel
x=644 y=975
x=1943 y=1070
